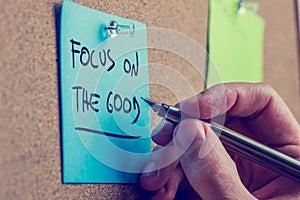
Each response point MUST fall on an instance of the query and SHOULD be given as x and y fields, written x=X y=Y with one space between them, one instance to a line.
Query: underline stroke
x=106 y=133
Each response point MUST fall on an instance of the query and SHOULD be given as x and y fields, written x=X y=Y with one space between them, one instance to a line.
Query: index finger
x=258 y=104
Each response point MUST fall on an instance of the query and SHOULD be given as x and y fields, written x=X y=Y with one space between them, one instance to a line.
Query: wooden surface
x=30 y=152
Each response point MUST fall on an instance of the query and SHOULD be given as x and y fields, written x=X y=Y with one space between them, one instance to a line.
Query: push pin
x=115 y=29
x=243 y=6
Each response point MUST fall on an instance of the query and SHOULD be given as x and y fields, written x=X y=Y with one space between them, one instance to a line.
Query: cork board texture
x=30 y=165
x=30 y=155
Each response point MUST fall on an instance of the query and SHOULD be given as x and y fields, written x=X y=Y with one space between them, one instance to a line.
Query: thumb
x=206 y=164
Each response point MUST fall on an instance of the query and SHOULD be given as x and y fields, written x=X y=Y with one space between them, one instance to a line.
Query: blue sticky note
x=105 y=123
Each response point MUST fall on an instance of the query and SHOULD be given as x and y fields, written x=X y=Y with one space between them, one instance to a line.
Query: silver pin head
x=243 y=6
x=115 y=29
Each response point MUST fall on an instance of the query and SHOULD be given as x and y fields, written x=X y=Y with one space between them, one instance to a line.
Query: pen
x=238 y=143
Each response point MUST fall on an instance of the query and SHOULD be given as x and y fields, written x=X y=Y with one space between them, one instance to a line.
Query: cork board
x=30 y=162
x=281 y=53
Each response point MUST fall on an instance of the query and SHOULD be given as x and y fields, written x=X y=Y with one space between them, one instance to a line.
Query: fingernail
x=150 y=170
x=187 y=132
x=158 y=127
x=182 y=142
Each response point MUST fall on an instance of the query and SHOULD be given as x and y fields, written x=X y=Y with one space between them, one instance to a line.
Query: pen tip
x=154 y=105
x=148 y=101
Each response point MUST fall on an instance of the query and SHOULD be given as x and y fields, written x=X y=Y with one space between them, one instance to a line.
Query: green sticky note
x=104 y=122
x=235 y=44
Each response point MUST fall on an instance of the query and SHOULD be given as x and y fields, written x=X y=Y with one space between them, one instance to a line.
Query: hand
x=255 y=110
